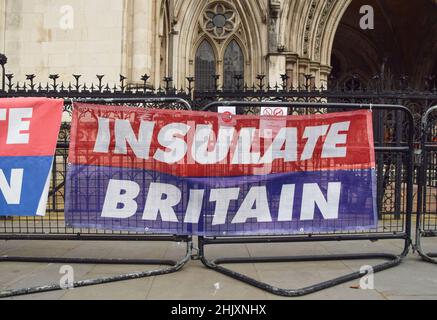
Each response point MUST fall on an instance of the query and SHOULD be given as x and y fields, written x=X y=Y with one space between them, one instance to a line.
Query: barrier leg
x=216 y=265
x=171 y=267
x=430 y=257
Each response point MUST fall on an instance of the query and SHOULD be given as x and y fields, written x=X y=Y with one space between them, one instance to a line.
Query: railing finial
x=3 y=61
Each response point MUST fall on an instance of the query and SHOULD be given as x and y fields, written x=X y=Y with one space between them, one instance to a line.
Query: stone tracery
x=220 y=20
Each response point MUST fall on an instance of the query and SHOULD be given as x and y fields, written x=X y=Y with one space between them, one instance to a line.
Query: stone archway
x=307 y=34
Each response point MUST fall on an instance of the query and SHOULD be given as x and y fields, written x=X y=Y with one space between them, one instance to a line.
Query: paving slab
x=420 y=298
x=54 y=295
x=197 y=282
x=413 y=279
x=39 y=248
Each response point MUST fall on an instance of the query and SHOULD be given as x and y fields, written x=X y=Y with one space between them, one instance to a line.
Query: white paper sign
x=228 y=110
x=274 y=111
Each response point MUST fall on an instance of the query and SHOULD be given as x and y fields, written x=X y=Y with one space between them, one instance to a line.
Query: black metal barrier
x=52 y=227
x=395 y=171
x=427 y=199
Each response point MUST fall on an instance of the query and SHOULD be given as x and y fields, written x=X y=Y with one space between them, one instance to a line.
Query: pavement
x=413 y=279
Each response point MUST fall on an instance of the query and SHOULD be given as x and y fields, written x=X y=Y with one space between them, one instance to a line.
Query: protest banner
x=29 y=129
x=201 y=173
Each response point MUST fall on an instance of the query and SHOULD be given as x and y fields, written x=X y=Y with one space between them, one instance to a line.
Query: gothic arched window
x=205 y=66
x=233 y=67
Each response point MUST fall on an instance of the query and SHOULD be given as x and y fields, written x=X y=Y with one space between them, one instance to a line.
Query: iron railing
x=397 y=134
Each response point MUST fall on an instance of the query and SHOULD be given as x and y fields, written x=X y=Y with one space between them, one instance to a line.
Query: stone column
x=2 y=25
x=276 y=67
x=275 y=8
x=325 y=72
x=174 y=59
x=127 y=33
x=276 y=60
x=142 y=39
x=292 y=70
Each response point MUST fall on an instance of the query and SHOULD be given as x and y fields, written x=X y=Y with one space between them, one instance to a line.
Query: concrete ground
x=413 y=279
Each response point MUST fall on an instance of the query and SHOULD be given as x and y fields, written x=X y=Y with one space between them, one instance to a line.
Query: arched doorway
x=402 y=43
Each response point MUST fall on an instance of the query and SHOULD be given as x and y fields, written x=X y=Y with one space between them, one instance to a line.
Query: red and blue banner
x=202 y=173
x=29 y=129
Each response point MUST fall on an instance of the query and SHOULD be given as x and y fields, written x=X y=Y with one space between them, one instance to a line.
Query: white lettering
x=177 y=148
x=287 y=136
x=334 y=138
x=103 y=137
x=286 y=203
x=254 y=206
x=124 y=135
x=160 y=200
x=194 y=206
x=223 y=198
x=176 y=139
x=243 y=152
x=121 y=192
x=204 y=135
x=18 y=130
x=312 y=196
x=313 y=134
x=12 y=191
x=163 y=199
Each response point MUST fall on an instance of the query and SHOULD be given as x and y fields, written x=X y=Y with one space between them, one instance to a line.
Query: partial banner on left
x=29 y=129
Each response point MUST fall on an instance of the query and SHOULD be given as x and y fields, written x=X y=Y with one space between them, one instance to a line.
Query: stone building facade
x=233 y=39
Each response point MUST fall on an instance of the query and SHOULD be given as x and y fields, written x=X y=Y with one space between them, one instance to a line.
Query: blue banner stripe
x=87 y=188
x=35 y=171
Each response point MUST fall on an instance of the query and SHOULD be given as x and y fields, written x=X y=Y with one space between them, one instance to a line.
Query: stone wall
x=160 y=37
x=61 y=37
x=2 y=24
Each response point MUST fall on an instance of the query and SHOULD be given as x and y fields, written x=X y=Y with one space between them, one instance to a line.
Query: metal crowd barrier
x=394 y=135
x=427 y=199
x=52 y=227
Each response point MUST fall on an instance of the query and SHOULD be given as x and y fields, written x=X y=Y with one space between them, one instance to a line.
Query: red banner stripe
x=28 y=125
x=358 y=141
